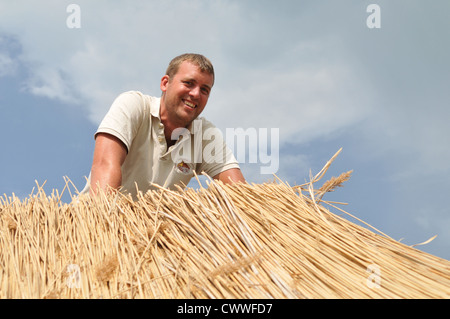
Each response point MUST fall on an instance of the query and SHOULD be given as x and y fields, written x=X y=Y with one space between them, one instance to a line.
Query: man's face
x=185 y=94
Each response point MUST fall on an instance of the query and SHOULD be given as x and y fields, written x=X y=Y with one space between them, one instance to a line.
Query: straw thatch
x=226 y=241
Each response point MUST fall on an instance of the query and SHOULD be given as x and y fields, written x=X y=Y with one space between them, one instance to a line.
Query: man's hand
x=232 y=175
x=109 y=155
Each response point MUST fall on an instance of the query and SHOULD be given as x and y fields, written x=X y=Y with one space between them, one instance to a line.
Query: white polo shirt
x=134 y=118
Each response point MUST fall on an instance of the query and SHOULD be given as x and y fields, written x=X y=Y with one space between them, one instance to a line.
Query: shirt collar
x=155 y=107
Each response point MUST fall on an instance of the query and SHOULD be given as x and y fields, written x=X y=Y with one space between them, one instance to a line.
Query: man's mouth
x=189 y=104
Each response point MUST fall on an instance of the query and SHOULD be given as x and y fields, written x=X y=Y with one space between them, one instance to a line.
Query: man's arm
x=109 y=155
x=232 y=175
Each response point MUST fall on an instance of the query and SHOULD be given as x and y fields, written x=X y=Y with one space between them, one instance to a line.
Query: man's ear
x=164 y=83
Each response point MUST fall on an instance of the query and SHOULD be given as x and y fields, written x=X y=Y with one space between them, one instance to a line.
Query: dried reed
x=225 y=241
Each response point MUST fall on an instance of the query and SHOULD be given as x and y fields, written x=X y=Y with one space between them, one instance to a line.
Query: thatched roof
x=226 y=241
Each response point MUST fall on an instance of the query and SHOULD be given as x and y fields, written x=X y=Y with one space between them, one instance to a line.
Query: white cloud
x=7 y=65
x=118 y=47
x=121 y=47
x=305 y=102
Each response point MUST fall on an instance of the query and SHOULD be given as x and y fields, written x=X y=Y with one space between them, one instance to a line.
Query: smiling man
x=139 y=141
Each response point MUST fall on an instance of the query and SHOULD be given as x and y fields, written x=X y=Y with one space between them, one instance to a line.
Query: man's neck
x=168 y=134
x=169 y=126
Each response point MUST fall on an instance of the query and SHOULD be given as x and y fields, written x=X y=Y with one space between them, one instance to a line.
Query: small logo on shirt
x=183 y=168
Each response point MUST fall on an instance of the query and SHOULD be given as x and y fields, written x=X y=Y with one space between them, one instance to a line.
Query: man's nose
x=195 y=92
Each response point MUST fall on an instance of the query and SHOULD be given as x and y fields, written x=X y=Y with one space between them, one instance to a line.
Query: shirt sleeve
x=124 y=117
x=217 y=156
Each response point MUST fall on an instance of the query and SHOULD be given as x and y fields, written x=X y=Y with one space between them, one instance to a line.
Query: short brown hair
x=201 y=61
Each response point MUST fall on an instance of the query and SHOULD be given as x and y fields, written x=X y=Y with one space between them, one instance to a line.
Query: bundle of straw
x=241 y=241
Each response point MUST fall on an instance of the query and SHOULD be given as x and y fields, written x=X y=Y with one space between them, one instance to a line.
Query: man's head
x=186 y=88
x=202 y=62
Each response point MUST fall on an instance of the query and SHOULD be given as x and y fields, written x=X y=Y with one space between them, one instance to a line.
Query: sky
x=324 y=74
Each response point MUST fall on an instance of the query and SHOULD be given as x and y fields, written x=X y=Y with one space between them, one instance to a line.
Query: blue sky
x=313 y=69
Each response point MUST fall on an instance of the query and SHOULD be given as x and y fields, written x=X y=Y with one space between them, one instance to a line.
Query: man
x=144 y=139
